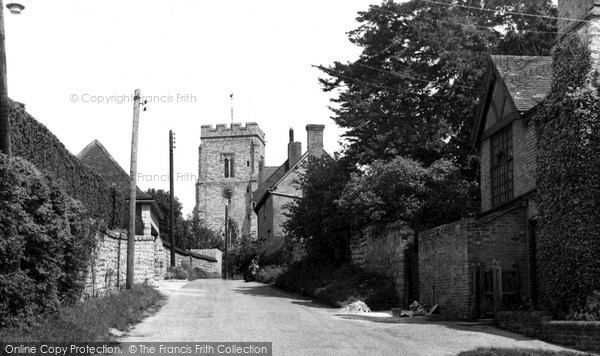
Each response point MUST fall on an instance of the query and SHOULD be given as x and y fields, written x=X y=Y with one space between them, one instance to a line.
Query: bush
x=269 y=274
x=276 y=251
x=591 y=310
x=339 y=286
x=45 y=244
x=240 y=258
x=176 y=272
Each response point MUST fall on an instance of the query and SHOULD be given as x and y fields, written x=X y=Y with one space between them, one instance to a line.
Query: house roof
x=97 y=157
x=527 y=78
x=262 y=192
x=268 y=171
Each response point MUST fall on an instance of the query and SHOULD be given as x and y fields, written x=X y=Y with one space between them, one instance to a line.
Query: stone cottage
x=277 y=187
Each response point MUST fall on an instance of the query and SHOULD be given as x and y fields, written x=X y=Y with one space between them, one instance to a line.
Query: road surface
x=222 y=311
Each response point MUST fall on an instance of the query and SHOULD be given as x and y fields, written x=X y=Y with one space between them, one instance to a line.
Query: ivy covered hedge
x=45 y=244
x=34 y=142
x=568 y=181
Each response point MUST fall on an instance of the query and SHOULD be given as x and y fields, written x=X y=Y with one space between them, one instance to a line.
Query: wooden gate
x=492 y=289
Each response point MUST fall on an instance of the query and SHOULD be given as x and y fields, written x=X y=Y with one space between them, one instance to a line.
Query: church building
x=228 y=171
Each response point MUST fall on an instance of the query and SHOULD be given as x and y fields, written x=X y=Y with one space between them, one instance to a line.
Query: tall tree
x=415 y=88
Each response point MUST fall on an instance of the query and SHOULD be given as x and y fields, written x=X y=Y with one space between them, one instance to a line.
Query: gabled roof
x=268 y=171
x=97 y=157
x=261 y=193
x=528 y=78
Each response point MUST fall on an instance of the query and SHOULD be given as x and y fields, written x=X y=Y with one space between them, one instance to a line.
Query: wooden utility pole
x=172 y=200
x=133 y=191
x=226 y=240
x=4 y=122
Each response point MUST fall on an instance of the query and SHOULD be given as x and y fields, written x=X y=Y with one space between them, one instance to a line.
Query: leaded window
x=502 y=166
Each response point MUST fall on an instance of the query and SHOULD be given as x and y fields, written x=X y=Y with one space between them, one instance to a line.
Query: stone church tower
x=229 y=163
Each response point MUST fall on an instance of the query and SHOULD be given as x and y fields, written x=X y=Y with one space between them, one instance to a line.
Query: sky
x=75 y=64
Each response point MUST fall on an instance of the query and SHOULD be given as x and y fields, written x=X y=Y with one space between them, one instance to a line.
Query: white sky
x=60 y=53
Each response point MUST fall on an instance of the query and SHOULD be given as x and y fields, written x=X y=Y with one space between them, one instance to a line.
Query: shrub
x=339 y=286
x=275 y=251
x=240 y=258
x=176 y=272
x=45 y=244
x=269 y=274
x=591 y=310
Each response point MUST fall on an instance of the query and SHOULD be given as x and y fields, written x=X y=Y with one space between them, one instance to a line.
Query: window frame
x=502 y=166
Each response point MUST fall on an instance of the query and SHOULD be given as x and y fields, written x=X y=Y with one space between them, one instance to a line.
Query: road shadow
x=268 y=291
x=470 y=327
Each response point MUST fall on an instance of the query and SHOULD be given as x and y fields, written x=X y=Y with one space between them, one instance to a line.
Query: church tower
x=228 y=166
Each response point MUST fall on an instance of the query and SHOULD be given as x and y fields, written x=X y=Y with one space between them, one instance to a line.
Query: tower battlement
x=235 y=129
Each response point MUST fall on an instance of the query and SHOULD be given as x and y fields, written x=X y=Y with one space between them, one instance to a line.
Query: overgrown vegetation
x=91 y=320
x=34 y=142
x=45 y=244
x=338 y=286
x=568 y=182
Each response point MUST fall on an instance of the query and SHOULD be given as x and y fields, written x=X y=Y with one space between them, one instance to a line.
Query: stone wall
x=210 y=266
x=444 y=267
x=381 y=249
x=108 y=267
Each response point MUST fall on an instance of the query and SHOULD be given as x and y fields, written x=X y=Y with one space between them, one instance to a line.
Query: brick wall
x=584 y=335
x=381 y=249
x=444 y=267
x=502 y=236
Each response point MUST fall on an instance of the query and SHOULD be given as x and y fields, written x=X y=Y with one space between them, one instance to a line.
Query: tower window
x=228 y=171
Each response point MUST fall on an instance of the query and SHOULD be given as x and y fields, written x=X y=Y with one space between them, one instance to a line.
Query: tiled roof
x=263 y=189
x=96 y=156
x=528 y=78
x=268 y=171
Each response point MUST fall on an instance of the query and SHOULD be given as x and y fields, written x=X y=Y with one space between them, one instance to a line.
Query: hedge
x=45 y=244
x=34 y=142
x=568 y=182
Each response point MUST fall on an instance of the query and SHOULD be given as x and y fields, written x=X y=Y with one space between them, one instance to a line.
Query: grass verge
x=490 y=351
x=339 y=286
x=91 y=320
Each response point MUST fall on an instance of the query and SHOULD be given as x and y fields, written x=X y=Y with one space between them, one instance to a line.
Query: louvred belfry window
x=228 y=166
x=502 y=166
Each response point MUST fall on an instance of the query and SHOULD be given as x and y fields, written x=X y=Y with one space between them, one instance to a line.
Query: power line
x=504 y=11
x=412 y=78
x=461 y=24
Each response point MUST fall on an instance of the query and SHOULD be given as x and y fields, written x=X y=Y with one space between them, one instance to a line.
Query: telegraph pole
x=172 y=196
x=133 y=191
x=4 y=122
x=226 y=240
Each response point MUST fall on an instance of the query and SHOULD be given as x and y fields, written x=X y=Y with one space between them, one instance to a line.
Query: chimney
x=315 y=139
x=294 y=150
x=589 y=12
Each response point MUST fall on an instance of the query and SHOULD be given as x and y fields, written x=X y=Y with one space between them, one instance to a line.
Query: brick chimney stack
x=315 y=139
x=588 y=29
x=294 y=150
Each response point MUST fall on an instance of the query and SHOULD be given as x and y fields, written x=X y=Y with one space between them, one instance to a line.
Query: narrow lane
x=234 y=311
